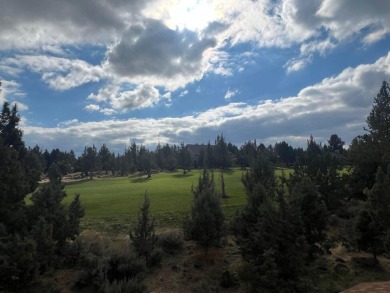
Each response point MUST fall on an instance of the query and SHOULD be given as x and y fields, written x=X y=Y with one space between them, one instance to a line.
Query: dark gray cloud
x=151 y=48
x=32 y=24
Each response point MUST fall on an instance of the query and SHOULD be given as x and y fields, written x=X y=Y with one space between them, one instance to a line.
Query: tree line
x=138 y=158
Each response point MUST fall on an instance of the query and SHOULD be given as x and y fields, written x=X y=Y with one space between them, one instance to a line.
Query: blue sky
x=169 y=71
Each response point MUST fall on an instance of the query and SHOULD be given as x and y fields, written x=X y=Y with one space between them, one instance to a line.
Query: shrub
x=143 y=237
x=171 y=242
x=133 y=285
x=124 y=264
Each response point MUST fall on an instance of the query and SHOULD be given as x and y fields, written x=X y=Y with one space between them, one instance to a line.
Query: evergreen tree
x=143 y=236
x=206 y=222
x=373 y=225
x=262 y=171
x=184 y=158
x=372 y=149
x=378 y=121
x=306 y=201
x=336 y=144
x=75 y=213
x=106 y=159
x=271 y=239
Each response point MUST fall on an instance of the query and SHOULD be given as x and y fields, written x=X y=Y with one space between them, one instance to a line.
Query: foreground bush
x=171 y=242
x=108 y=268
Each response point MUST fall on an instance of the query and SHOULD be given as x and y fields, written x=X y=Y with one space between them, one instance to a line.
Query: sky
x=116 y=72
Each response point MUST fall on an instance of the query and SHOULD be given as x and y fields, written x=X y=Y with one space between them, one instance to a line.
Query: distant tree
x=90 y=161
x=284 y=153
x=247 y=154
x=221 y=153
x=145 y=161
x=9 y=131
x=206 y=222
x=223 y=190
x=262 y=171
x=106 y=158
x=335 y=144
x=143 y=236
x=184 y=158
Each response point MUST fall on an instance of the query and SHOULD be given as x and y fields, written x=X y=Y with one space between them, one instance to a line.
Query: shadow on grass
x=182 y=175
x=140 y=180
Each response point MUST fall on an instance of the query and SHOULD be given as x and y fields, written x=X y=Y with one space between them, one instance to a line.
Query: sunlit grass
x=115 y=201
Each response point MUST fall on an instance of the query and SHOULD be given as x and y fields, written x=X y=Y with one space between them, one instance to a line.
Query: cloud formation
x=171 y=44
x=338 y=104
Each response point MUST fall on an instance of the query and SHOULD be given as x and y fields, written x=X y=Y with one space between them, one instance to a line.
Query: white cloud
x=297 y=64
x=141 y=97
x=338 y=104
x=122 y=100
x=11 y=91
x=231 y=93
x=58 y=73
x=68 y=123
x=183 y=93
x=169 y=44
x=92 y=108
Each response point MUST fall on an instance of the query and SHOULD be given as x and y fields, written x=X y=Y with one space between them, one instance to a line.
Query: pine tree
x=143 y=236
x=262 y=171
x=373 y=225
x=206 y=222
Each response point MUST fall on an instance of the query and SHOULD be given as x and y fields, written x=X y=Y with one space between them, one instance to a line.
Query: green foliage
x=336 y=144
x=107 y=267
x=171 y=242
x=272 y=243
x=18 y=261
x=46 y=203
x=143 y=236
x=206 y=222
x=371 y=150
x=306 y=201
x=9 y=131
x=75 y=213
x=378 y=121
x=42 y=233
x=262 y=171
x=322 y=168
x=373 y=224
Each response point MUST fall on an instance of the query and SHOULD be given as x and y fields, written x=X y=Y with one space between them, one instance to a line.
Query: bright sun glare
x=194 y=15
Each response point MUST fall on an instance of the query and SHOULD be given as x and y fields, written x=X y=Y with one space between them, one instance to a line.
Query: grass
x=112 y=203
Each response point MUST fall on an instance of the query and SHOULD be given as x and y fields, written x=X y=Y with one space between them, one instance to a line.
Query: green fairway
x=111 y=203
x=168 y=192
